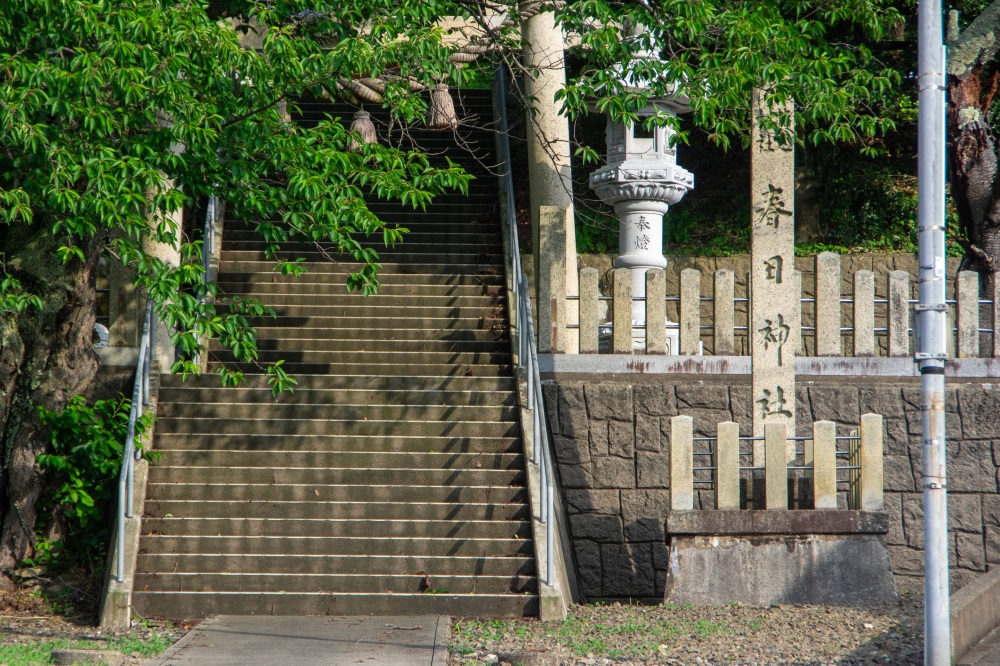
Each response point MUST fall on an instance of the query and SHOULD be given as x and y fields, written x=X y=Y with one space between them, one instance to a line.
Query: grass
x=40 y=652
x=620 y=632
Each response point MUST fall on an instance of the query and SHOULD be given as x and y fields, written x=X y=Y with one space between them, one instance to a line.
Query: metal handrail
x=140 y=397
x=527 y=352
x=208 y=249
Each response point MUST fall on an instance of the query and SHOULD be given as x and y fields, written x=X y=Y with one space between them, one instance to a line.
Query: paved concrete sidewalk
x=264 y=640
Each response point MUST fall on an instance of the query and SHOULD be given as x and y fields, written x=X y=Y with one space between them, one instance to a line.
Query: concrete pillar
x=681 y=463
x=125 y=315
x=589 y=292
x=950 y=333
x=690 y=311
x=775 y=316
x=864 y=313
x=548 y=136
x=621 y=306
x=899 y=313
x=727 y=466
x=828 y=304
x=871 y=463
x=170 y=254
x=724 y=302
x=824 y=461
x=656 y=311
x=775 y=466
x=552 y=281
x=968 y=314
x=996 y=317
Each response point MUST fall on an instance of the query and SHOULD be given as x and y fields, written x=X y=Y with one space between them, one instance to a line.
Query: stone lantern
x=642 y=180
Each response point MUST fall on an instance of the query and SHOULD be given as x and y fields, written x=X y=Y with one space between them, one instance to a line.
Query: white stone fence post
x=862 y=314
x=838 y=471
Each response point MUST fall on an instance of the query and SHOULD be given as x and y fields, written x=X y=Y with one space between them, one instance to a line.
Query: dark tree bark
x=972 y=85
x=46 y=357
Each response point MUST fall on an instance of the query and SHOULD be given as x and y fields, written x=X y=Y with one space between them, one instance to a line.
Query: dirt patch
x=31 y=626
x=734 y=634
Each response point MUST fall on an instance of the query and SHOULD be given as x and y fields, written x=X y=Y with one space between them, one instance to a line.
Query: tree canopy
x=818 y=55
x=116 y=113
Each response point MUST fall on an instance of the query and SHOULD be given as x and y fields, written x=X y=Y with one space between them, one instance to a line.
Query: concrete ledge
x=117 y=355
x=797 y=522
x=765 y=569
x=975 y=612
x=78 y=657
x=638 y=364
x=116 y=602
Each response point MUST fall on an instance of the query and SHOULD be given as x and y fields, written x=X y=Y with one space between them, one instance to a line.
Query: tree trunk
x=974 y=183
x=46 y=357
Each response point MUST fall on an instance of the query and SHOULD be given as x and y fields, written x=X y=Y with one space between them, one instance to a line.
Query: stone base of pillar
x=605 y=332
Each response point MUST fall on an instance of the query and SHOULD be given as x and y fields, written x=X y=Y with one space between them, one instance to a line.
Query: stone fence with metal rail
x=886 y=280
x=706 y=313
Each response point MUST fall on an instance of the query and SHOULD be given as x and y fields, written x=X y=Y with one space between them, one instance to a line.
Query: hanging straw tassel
x=362 y=124
x=442 y=114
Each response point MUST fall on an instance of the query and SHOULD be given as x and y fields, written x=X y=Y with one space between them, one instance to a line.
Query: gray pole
x=931 y=322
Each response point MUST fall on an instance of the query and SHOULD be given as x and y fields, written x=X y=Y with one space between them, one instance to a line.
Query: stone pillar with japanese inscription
x=775 y=284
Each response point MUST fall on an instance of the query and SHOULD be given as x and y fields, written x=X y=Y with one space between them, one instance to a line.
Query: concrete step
x=336 y=564
x=415 y=239
x=372 y=427
x=278 y=343
x=336 y=396
x=380 y=383
x=387 y=334
x=325 y=527
x=341 y=299
x=291 y=287
x=422 y=283
x=391 y=260
x=364 y=492
x=354 y=369
x=335 y=583
x=340 y=269
x=186 y=605
x=165 y=441
x=383 y=320
x=456 y=511
x=345 y=412
x=473 y=253
x=319 y=355
x=165 y=472
x=333 y=545
x=373 y=308
x=342 y=459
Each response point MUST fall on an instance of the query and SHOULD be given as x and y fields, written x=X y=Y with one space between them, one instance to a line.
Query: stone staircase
x=392 y=481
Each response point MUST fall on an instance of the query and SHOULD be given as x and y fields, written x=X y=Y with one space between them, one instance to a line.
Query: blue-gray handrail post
x=140 y=395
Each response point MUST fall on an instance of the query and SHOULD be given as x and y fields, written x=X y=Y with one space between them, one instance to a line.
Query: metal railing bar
x=126 y=475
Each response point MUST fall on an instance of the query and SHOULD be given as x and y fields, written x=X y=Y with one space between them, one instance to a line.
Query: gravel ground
x=735 y=634
x=30 y=627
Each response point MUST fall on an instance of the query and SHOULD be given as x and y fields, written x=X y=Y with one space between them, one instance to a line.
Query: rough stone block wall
x=611 y=439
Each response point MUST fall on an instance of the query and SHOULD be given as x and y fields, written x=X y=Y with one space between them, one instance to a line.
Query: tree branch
x=977 y=44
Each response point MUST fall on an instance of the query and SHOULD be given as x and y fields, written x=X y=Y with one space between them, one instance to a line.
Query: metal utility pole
x=931 y=326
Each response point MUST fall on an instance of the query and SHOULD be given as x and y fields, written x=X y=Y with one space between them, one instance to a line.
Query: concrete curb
x=975 y=612
x=442 y=638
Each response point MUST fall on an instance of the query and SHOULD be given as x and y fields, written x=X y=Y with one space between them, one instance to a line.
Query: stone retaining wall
x=611 y=437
